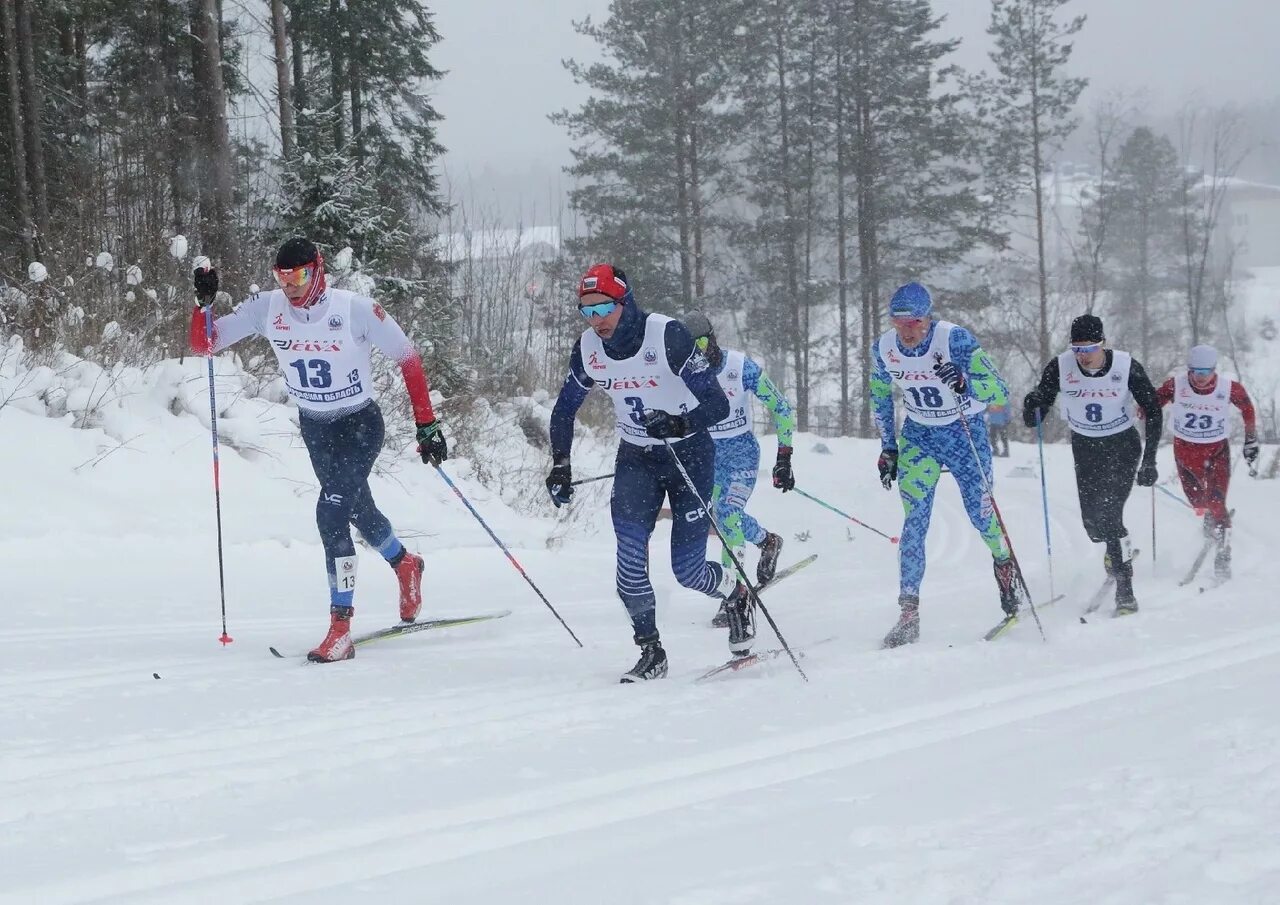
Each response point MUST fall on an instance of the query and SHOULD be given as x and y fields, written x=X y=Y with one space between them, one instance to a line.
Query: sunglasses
x=1086 y=350
x=294 y=276
x=1201 y=372
x=603 y=309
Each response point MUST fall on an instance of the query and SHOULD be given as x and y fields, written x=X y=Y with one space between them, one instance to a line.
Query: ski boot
x=907 y=631
x=651 y=665
x=742 y=621
x=1222 y=559
x=337 y=644
x=1126 y=605
x=409 y=574
x=1006 y=582
x=721 y=618
x=770 y=547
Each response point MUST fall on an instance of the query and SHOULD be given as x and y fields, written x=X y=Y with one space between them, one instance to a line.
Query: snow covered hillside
x=1124 y=761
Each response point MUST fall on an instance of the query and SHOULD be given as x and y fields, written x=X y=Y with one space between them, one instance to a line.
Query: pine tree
x=1144 y=239
x=1027 y=105
x=652 y=142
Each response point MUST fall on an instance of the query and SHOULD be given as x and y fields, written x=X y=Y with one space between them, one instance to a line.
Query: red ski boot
x=409 y=574
x=337 y=644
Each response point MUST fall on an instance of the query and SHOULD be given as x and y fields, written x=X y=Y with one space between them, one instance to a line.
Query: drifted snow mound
x=37 y=272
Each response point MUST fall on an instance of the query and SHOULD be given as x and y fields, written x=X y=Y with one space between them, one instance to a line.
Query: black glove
x=431 y=445
x=1250 y=449
x=1147 y=475
x=661 y=425
x=205 y=280
x=783 y=479
x=949 y=374
x=1032 y=411
x=888 y=465
x=560 y=481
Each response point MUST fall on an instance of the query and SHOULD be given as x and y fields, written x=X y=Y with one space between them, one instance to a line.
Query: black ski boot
x=770 y=547
x=721 y=618
x=1006 y=583
x=652 y=663
x=742 y=621
x=907 y=631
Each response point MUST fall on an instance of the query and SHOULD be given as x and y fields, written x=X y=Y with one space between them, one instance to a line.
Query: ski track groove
x=306 y=862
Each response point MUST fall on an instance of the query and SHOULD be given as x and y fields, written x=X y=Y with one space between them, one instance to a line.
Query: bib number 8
x=926 y=397
x=1093 y=412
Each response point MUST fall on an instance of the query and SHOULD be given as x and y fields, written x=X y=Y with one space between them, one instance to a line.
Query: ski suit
x=650 y=363
x=934 y=436
x=1104 y=438
x=324 y=353
x=737 y=452
x=1201 y=447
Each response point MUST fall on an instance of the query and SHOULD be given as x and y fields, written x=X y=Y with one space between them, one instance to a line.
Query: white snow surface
x=1123 y=761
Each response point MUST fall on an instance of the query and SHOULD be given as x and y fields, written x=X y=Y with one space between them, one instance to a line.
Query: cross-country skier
x=662 y=390
x=1098 y=385
x=945 y=376
x=738 y=453
x=322 y=338
x=1199 y=405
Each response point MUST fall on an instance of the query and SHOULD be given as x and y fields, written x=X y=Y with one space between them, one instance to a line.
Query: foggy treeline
x=780 y=165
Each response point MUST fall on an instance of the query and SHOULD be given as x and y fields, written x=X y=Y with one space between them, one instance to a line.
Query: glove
x=949 y=374
x=783 y=479
x=1147 y=475
x=1032 y=410
x=1251 y=449
x=431 y=445
x=661 y=425
x=888 y=465
x=560 y=481
x=205 y=280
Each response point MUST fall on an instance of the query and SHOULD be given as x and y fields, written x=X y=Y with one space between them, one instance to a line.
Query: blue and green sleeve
x=757 y=381
x=985 y=383
x=882 y=400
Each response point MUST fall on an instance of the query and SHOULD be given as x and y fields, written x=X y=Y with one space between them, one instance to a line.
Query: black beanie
x=1087 y=328
x=296 y=252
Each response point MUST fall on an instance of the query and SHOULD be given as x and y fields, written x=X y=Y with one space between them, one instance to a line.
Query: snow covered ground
x=1124 y=761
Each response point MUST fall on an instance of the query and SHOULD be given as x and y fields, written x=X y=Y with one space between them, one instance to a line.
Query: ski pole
x=742 y=573
x=602 y=477
x=825 y=505
x=515 y=562
x=217 y=484
x=1171 y=495
x=1044 y=496
x=986 y=486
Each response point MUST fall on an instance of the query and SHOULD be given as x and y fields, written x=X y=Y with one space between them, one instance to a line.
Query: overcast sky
x=505 y=74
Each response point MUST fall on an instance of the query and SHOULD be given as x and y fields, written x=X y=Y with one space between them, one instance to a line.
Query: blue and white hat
x=911 y=300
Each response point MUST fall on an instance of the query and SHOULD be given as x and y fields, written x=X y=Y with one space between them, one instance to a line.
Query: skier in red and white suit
x=1200 y=404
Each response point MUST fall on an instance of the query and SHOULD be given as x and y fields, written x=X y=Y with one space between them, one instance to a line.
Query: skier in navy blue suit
x=663 y=391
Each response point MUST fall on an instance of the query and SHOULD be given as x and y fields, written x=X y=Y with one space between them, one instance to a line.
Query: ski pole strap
x=826 y=505
x=503 y=547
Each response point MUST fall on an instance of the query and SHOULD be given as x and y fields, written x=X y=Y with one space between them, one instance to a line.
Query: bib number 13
x=314 y=373
x=926 y=397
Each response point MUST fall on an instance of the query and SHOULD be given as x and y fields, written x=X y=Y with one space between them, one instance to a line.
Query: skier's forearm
x=572 y=395
x=1145 y=395
x=713 y=404
x=1240 y=398
x=784 y=419
x=882 y=410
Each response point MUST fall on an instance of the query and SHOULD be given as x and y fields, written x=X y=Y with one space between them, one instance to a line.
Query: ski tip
x=276 y=653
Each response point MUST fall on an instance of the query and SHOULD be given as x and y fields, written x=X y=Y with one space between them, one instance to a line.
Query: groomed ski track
x=1126 y=761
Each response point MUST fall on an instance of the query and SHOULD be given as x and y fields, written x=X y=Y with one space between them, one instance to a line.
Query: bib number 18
x=926 y=397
